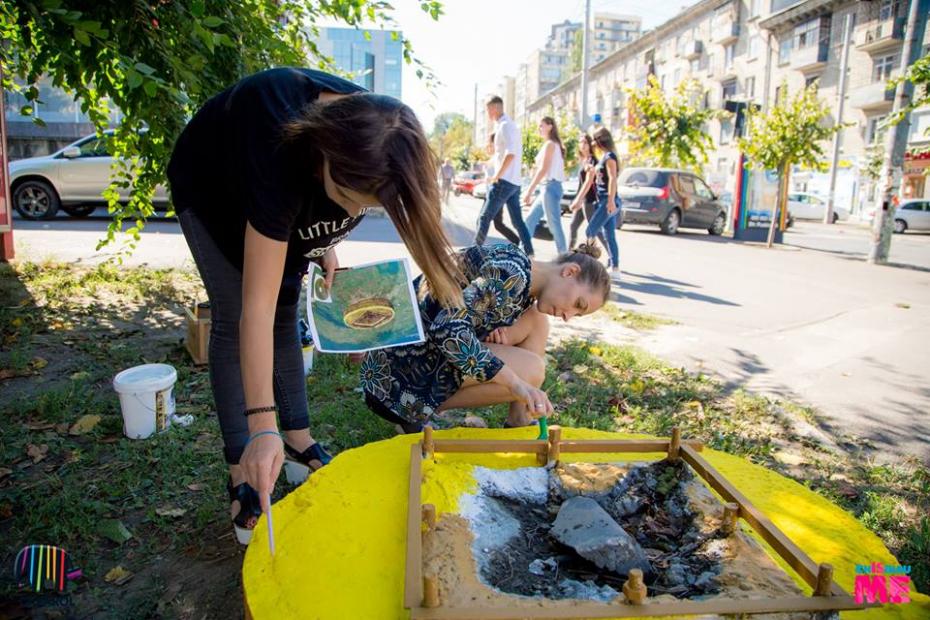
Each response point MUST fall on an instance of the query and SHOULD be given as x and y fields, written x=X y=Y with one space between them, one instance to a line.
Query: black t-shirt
x=591 y=196
x=601 y=178
x=229 y=167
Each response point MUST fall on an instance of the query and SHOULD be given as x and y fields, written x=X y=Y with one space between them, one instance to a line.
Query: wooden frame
x=424 y=599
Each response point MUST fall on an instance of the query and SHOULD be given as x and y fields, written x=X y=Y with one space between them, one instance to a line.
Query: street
x=809 y=321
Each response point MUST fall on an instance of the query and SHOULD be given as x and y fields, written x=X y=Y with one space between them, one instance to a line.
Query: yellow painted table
x=340 y=537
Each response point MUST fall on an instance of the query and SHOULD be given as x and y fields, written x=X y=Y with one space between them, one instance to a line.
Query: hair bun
x=588 y=248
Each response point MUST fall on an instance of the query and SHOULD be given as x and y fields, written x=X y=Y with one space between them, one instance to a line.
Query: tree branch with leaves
x=792 y=132
x=158 y=62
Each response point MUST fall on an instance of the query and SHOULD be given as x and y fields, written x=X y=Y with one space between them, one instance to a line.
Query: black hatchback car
x=670 y=199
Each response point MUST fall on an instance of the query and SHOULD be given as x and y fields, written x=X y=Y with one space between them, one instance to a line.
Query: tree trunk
x=780 y=206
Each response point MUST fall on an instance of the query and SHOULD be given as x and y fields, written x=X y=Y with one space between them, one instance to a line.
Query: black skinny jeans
x=223 y=282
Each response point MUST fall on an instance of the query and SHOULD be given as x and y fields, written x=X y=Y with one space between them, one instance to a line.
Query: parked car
x=569 y=191
x=480 y=190
x=911 y=214
x=670 y=199
x=72 y=179
x=726 y=199
x=806 y=206
x=464 y=183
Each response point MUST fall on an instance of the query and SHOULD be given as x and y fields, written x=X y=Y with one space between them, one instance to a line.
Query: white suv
x=72 y=179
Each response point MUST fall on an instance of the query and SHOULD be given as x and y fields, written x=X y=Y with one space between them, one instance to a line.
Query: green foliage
x=466 y=156
x=452 y=135
x=532 y=142
x=669 y=130
x=917 y=74
x=158 y=62
x=569 y=132
x=793 y=132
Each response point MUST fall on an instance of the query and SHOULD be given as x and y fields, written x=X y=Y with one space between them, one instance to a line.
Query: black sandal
x=250 y=509
x=298 y=465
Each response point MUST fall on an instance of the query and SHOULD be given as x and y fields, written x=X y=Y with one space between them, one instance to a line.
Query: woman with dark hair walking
x=608 y=211
x=550 y=170
x=584 y=204
x=270 y=174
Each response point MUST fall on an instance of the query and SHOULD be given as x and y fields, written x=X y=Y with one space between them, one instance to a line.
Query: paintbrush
x=270 y=527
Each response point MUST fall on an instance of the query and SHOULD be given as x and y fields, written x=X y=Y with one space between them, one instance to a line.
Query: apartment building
x=609 y=32
x=755 y=50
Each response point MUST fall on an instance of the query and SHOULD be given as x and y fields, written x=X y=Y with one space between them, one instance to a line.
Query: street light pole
x=585 y=59
x=840 y=104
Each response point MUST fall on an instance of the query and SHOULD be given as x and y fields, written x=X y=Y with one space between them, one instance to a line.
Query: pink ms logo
x=882 y=583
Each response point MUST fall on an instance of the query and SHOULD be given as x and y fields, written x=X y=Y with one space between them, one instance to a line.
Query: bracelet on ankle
x=260 y=433
x=255 y=410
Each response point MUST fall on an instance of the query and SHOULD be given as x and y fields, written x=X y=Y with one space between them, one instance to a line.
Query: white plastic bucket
x=146 y=396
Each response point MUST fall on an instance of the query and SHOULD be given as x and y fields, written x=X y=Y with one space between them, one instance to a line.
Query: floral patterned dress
x=411 y=382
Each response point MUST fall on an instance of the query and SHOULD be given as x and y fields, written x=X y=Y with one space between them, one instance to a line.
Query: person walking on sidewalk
x=446 y=172
x=499 y=224
x=608 y=210
x=550 y=172
x=585 y=204
x=504 y=186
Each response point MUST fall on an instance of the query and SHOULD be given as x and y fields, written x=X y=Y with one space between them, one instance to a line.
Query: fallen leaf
x=37 y=453
x=39 y=426
x=17 y=322
x=81 y=374
x=117 y=576
x=38 y=363
x=8 y=373
x=194 y=486
x=84 y=425
x=62 y=428
x=579 y=369
x=4 y=472
x=6 y=511
x=114 y=530
x=167 y=511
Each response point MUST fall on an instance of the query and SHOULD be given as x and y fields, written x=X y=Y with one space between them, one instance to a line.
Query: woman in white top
x=550 y=170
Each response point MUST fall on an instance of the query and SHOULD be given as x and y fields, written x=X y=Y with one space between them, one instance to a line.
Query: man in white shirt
x=504 y=186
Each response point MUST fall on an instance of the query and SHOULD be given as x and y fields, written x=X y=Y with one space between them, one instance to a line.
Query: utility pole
x=585 y=59
x=840 y=104
x=896 y=136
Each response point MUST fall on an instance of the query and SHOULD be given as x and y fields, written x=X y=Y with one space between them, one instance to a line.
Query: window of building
x=726 y=131
x=755 y=46
x=813 y=80
x=784 y=50
x=920 y=127
x=874 y=129
x=807 y=34
x=677 y=76
x=729 y=51
x=888 y=9
x=695 y=65
x=755 y=8
x=751 y=87
x=882 y=67
x=780 y=92
x=728 y=90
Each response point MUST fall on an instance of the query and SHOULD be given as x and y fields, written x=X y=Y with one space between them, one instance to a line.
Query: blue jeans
x=223 y=282
x=499 y=194
x=605 y=222
x=549 y=199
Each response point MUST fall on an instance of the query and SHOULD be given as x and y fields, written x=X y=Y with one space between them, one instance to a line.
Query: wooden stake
x=555 y=439
x=429 y=516
x=674 y=446
x=824 y=580
x=429 y=446
x=730 y=516
x=430 y=592
x=634 y=589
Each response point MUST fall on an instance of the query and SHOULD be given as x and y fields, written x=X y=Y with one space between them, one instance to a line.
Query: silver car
x=72 y=179
x=912 y=214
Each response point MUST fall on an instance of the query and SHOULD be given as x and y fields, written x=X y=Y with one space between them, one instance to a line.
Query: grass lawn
x=66 y=331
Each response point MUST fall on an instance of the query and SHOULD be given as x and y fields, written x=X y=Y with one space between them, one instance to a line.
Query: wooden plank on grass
x=413 y=586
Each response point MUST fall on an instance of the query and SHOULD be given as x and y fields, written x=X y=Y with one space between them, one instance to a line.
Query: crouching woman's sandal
x=250 y=509
x=298 y=465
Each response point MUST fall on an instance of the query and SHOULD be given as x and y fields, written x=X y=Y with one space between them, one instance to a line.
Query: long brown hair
x=554 y=132
x=604 y=140
x=375 y=145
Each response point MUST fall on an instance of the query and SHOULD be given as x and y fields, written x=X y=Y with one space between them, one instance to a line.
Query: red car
x=465 y=182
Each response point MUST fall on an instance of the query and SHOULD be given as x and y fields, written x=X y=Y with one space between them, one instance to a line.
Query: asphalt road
x=809 y=321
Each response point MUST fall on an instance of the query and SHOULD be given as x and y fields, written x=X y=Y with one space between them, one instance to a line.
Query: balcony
x=693 y=50
x=725 y=30
x=872 y=97
x=882 y=36
x=810 y=58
